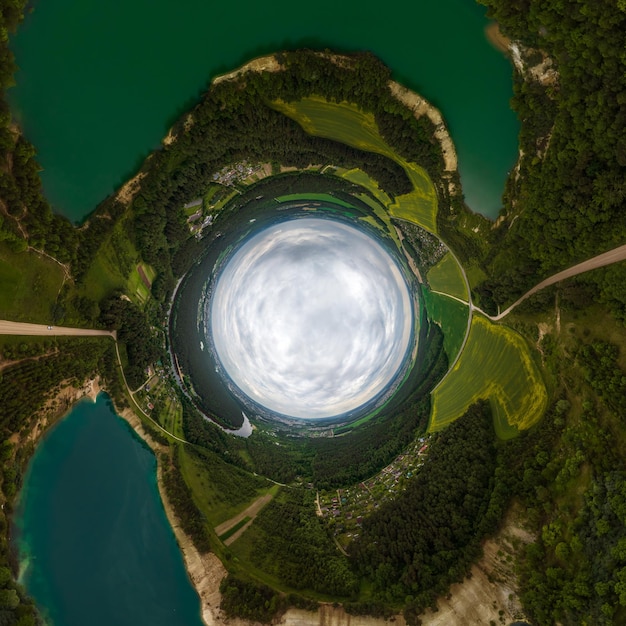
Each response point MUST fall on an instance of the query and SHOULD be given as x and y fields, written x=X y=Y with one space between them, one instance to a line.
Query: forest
x=567 y=204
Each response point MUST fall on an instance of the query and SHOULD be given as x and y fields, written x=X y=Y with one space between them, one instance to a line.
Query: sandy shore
x=421 y=107
x=495 y=37
x=129 y=190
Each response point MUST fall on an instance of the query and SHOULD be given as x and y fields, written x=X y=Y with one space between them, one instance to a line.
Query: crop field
x=451 y=316
x=419 y=206
x=446 y=277
x=497 y=365
x=345 y=122
x=29 y=284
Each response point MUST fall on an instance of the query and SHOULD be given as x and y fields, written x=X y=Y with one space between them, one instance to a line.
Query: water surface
x=95 y=545
x=101 y=82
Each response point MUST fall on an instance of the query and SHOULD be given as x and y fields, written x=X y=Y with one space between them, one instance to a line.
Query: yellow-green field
x=346 y=123
x=446 y=277
x=496 y=364
x=29 y=284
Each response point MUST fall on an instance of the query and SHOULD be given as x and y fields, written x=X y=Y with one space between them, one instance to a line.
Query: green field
x=451 y=316
x=346 y=123
x=496 y=364
x=446 y=277
x=29 y=284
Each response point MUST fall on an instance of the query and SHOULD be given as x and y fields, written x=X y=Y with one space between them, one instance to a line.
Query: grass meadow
x=446 y=277
x=451 y=316
x=116 y=267
x=220 y=490
x=29 y=285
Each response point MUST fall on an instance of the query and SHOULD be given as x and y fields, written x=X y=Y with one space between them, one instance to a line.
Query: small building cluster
x=344 y=509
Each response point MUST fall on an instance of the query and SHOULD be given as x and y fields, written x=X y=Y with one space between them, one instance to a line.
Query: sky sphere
x=311 y=318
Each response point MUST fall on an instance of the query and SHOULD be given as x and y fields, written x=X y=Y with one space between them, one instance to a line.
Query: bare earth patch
x=126 y=194
x=491 y=592
x=262 y=64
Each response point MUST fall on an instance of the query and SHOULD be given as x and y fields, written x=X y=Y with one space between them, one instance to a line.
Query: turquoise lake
x=101 y=82
x=94 y=542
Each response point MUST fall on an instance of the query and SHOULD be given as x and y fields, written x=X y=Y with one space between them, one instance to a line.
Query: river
x=101 y=82
x=94 y=543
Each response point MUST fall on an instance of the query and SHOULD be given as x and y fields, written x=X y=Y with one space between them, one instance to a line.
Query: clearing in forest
x=29 y=284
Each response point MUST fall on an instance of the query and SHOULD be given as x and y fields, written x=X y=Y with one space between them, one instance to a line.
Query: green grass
x=446 y=277
x=475 y=275
x=496 y=364
x=29 y=284
x=346 y=123
x=451 y=316
x=359 y=177
x=112 y=267
x=220 y=490
x=343 y=122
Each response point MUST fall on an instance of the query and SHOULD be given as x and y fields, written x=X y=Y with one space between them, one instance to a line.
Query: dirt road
x=607 y=258
x=21 y=328
x=250 y=512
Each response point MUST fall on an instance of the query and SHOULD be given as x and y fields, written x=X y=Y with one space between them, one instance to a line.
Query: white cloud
x=311 y=318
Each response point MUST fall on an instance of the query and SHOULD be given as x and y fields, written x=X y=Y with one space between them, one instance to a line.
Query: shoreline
x=497 y=39
x=410 y=99
x=206 y=571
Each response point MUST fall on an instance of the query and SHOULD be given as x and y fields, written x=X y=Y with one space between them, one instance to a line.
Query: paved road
x=607 y=258
x=21 y=328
